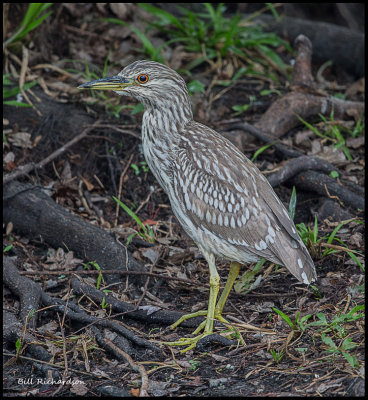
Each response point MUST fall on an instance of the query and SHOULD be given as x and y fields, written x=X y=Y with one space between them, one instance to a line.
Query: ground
x=77 y=329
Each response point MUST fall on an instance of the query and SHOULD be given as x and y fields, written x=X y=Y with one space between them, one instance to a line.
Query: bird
x=220 y=198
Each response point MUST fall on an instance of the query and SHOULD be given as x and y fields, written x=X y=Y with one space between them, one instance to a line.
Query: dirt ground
x=88 y=294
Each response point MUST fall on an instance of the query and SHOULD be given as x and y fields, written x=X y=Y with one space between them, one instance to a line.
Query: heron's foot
x=190 y=342
x=202 y=325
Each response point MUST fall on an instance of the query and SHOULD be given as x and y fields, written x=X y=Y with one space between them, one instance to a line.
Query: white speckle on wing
x=226 y=220
x=305 y=279
x=219 y=220
x=187 y=201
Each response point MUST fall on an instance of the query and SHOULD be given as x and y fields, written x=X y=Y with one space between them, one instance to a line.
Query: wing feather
x=225 y=194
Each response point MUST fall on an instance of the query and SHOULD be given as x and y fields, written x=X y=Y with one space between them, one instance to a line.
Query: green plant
x=104 y=303
x=148 y=47
x=333 y=132
x=261 y=150
x=342 y=349
x=194 y=364
x=98 y=268
x=277 y=356
x=214 y=36
x=311 y=240
x=240 y=109
x=294 y=325
x=33 y=18
x=338 y=327
x=18 y=347
x=195 y=86
x=14 y=91
x=247 y=283
x=137 y=168
x=147 y=232
x=7 y=248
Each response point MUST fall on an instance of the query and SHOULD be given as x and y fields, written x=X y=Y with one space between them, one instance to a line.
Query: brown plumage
x=219 y=196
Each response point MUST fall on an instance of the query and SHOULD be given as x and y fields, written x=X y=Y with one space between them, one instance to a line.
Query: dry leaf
x=21 y=139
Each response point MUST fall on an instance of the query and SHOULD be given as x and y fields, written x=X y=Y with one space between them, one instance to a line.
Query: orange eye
x=143 y=78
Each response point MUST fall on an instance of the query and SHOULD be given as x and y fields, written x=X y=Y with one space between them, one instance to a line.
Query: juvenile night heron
x=221 y=199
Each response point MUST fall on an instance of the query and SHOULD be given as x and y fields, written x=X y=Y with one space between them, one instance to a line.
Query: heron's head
x=152 y=83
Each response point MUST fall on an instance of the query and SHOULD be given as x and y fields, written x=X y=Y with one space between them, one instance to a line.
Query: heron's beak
x=118 y=83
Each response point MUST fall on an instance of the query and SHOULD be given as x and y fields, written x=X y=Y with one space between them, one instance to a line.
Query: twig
x=260 y=135
x=25 y=169
x=120 y=188
x=148 y=279
x=22 y=78
x=115 y=128
x=136 y=367
x=78 y=371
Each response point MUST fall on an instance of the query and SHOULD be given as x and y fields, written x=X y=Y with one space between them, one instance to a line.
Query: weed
x=142 y=166
x=261 y=150
x=338 y=327
x=333 y=132
x=310 y=236
x=15 y=91
x=247 y=283
x=98 y=268
x=7 y=248
x=195 y=86
x=343 y=349
x=33 y=18
x=213 y=35
x=277 y=356
x=147 y=232
x=104 y=303
x=240 y=109
x=194 y=364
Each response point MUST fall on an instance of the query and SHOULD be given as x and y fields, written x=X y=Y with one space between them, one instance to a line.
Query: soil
x=59 y=214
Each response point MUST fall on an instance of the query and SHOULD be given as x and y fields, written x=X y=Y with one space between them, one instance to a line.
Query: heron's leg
x=233 y=274
x=214 y=288
x=208 y=323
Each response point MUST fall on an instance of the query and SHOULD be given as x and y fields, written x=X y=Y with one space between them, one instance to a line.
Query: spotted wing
x=228 y=207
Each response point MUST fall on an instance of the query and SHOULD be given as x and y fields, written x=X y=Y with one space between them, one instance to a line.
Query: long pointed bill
x=117 y=82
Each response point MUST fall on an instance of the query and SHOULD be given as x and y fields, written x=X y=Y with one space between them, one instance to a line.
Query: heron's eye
x=142 y=78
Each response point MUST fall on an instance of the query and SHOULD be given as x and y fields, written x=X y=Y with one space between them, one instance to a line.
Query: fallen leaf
x=134 y=392
x=356 y=142
x=21 y=139
x=356 y=239
x=79 y=389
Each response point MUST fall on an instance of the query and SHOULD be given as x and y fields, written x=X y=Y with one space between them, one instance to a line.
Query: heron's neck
x=164 y=121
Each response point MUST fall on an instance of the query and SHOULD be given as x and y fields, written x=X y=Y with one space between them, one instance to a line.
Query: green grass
x=212 y=36
x=146 y=232
x=10 y=91
x=34 y=17
x=98 y=268
x=315 y=242
x=337 y=330
x=334 y=132
x=277 y=355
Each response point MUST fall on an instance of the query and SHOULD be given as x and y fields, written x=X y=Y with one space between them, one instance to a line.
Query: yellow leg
x=208 y=323
x=214 y=311
x=233 y=274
